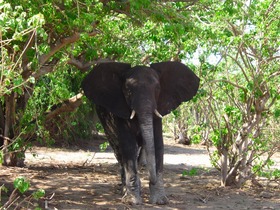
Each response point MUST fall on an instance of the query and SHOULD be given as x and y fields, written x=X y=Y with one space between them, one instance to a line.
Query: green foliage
x=238 y=100
x=21 y=184
x=277 y=113
x=103 y=146
x=15 y=24
x=1 y=157
x=99 y=127
x=272 y=174
x=195 y=133
x=40 y=193
x=3 y=189
x=191 y=172
x=49 y=91
x=79 y=124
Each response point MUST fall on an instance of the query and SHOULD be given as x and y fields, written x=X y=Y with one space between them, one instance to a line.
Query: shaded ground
x=88 y=179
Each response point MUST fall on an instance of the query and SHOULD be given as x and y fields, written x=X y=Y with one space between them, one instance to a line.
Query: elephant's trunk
x=147 y=131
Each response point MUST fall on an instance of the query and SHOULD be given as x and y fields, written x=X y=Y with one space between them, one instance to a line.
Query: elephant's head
x=124 y=91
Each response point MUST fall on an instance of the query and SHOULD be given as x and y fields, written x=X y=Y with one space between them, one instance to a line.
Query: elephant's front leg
x=157 y=191
x=129 y=152
x=132 y=188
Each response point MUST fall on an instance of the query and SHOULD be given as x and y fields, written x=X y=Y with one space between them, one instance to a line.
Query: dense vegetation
x=233 y=46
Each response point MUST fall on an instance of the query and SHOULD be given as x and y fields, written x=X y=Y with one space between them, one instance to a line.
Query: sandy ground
x=89 y=179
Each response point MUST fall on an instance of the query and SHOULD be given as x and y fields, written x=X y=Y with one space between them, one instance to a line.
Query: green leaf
x=36 y=20
x=276 y=173
x=191 y=172
x=21 y=184
x=18 y=81
x=176 y=113
x=3 y=189
x=32 y=80
x=38 y=194
x=277 y=113
x=1 y=157
x=184 y=173
x=103 y=146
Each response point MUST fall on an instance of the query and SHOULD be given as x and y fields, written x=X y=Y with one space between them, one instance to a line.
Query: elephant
x=130 y=103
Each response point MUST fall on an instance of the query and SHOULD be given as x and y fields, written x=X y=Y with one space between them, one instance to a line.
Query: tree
x=242 y=91
x=32 y=45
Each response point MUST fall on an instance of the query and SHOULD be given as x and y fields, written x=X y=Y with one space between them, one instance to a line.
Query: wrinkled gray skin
x=130 y=103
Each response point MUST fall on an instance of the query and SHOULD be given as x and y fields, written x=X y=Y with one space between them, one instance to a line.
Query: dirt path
x=83 y=179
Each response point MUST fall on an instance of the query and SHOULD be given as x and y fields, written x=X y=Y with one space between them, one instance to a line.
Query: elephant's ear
x=103 y=86
x=178 y=83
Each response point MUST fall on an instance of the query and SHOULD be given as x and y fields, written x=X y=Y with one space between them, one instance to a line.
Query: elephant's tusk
x=157 y=113
x=132 y=114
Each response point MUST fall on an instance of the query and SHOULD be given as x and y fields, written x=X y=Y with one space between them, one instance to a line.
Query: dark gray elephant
x=130 y=103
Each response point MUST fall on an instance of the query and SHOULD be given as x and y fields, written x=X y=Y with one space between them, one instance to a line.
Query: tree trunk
x=241 y=171
x=2 y=125
x=10 y=157
x=224 y=166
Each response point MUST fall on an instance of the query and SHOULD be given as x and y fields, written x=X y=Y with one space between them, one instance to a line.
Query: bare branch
x=83 y=66
x=233 y=84
x=240 y=66
x=235 y=31
x=86 y=65
x=273 y=58
x=45 y=69
x=68 y=105
x=146 y=59
x=27 y=46
x=272 y=102
x=26 y=70
x=275 y=74
x=271 y=7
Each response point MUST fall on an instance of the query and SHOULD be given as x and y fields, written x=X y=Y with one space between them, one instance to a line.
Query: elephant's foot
x=132 y=199
x=157 y=193
x=158 y=196
x=132 y=193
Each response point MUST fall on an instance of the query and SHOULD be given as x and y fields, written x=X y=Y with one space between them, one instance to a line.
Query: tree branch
x=273 y=58
x=60 y=44
x=68 y=105
x=233 y=84
x=239 y=65
x=26 y=70
x=46 y=68
x=83 y=65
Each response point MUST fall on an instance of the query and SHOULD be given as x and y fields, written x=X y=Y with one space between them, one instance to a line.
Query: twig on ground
x=89 y=161
x=46 y=199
